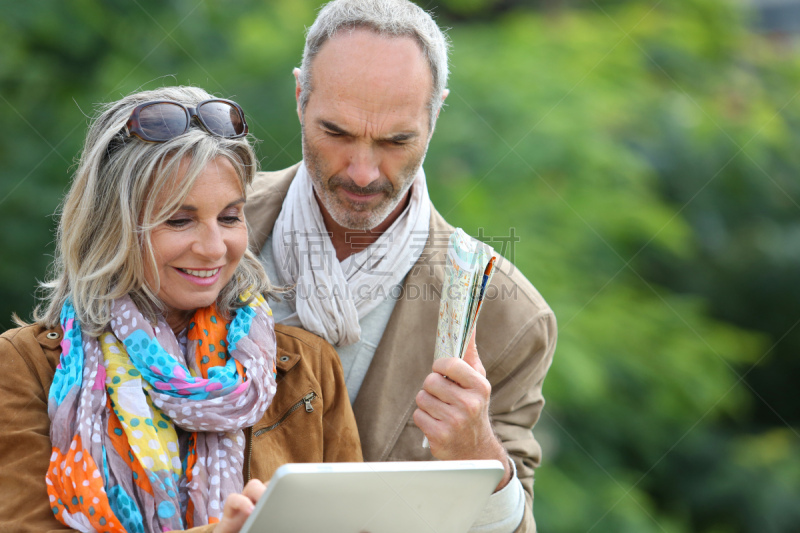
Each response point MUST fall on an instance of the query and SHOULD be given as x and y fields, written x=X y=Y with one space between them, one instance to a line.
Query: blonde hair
x=103 y=239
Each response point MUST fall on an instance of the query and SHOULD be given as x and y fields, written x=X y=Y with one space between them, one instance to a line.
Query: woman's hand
x=239 y=506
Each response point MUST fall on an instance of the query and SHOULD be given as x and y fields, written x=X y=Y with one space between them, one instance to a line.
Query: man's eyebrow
x=401 y=137
x=397 y=137
x=330 y=126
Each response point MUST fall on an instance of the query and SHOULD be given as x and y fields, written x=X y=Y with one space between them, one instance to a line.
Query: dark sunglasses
x=163 y=120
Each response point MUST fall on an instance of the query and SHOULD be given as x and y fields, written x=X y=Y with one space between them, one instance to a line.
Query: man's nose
x=210 y=243
x=363 y=168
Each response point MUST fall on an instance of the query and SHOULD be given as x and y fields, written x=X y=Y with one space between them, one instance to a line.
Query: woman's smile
x=201 y=277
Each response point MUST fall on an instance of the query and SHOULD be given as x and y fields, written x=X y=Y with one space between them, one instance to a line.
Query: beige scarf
x=331 y=297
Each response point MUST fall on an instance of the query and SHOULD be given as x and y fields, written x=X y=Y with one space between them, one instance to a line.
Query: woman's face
x=198 y=249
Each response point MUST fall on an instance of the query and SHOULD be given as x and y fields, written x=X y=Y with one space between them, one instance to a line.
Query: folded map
x=469 y=268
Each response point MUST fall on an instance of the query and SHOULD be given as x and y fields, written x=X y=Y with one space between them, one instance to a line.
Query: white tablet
x=403 y=497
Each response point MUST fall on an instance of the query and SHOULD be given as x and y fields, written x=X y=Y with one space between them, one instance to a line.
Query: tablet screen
x=418 y=496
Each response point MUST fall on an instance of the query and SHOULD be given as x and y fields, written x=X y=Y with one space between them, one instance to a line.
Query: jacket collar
x=264 y=203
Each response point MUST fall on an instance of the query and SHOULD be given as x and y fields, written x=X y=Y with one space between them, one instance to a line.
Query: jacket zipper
x=306 y=400
x=249 y=454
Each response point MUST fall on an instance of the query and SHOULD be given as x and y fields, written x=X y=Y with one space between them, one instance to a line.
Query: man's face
x=365 y=126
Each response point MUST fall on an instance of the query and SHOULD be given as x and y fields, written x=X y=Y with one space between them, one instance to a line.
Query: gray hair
x=107 y=217
x=393 y=18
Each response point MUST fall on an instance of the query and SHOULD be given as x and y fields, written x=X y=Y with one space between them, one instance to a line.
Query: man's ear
x=444 y=96
x=439 y=110
x=298 y=89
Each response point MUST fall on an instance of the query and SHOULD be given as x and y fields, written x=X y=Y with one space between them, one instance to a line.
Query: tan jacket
x=309 y=372
x=516 y=339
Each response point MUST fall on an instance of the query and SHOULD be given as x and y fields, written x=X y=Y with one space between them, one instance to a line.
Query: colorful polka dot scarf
x=147 y=432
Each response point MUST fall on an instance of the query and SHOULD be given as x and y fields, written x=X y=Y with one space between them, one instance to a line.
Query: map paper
x=468 y=271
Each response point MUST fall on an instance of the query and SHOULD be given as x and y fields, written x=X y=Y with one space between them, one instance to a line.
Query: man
x=352 y=229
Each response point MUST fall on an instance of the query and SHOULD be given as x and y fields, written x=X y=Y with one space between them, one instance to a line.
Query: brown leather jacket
x=309 y=420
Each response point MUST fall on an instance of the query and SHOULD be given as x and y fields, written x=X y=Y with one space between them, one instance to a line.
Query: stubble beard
x=355 y=216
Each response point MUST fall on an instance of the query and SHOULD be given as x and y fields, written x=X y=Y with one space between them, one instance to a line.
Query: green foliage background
x=636 y=159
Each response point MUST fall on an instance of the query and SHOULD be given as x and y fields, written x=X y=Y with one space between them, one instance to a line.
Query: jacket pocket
x=305 y=402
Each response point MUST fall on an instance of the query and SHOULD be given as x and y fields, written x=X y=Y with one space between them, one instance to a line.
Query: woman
x=150 y=389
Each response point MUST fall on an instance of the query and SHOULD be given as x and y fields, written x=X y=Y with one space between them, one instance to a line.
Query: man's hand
x=239 y=506
x=453 y=411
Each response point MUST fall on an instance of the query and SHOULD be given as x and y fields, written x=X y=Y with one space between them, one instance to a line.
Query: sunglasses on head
x=163 y=120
